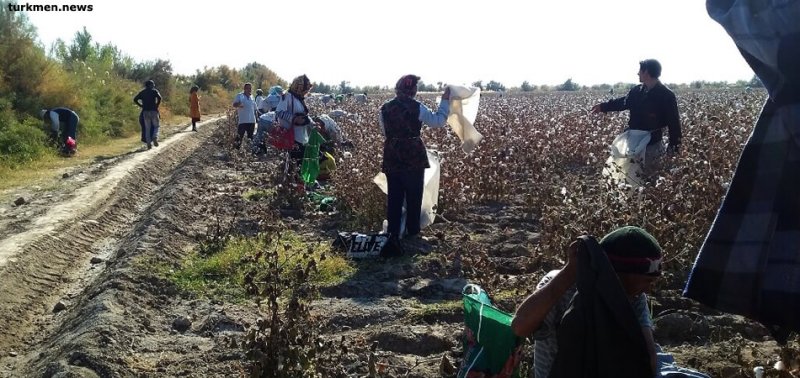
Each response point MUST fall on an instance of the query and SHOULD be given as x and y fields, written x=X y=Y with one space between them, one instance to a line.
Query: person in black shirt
x=652 y=107
x=149 y=99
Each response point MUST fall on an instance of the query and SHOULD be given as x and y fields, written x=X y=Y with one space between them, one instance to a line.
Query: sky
x=455 y=42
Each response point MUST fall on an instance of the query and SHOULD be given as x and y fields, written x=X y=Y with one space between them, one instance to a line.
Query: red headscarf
x=407 y=86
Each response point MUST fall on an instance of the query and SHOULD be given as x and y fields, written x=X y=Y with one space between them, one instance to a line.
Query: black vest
x=403 y=149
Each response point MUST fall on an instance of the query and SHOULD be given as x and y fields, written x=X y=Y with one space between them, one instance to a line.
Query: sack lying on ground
x=359 y=246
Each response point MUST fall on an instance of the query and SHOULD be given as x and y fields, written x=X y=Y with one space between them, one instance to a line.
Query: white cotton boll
x=347 y=155
x=779 y=366
x=759 y=371
x=563 y=191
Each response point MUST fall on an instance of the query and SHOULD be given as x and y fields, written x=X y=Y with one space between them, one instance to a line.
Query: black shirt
x=150 y=99
x=651 y=110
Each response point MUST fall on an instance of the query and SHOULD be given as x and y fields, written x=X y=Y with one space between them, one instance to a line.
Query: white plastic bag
x=463 y=111
x=627 y=158
x=430 y=193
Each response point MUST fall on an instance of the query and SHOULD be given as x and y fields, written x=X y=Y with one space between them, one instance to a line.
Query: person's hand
x=446 y=95
x=596 y=109
x=571 y=268
x=572 y=252
x=299 y=120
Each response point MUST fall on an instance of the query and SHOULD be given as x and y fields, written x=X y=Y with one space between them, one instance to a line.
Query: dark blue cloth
x=404 y=186
x=69 y=121
x=153 y=130
x=749 y=262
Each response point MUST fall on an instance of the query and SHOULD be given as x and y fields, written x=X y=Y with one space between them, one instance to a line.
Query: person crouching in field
x=404 y=155
x=63 y=128
x=194 y=106
x=590 y=303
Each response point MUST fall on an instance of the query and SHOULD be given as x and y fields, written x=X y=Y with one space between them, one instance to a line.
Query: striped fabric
x=749 y=263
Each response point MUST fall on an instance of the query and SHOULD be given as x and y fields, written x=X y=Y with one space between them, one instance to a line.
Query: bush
x=20 y=142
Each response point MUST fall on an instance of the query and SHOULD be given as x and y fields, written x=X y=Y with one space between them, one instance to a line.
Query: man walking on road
x=149 y=99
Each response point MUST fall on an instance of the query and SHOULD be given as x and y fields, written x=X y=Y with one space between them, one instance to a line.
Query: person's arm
x=438 y=119
x=650 y=343
x=138 y=98
x=640 y=308
x=673 y=123
x=380 y=122
x=54 y=122
x=614 y=105
x=531 y=313
x=158 y=99
x=237 y=101
x=282 y=111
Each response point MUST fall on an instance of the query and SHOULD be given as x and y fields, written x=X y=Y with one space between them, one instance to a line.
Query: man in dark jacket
x=149 y=99
x=597 y=299
x=652 y=107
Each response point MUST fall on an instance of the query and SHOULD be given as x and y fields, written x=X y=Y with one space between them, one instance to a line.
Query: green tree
x=478 y=84
x=755 y=82
x=495 y=86
x=260 y=76
x=527 y=87
x=568 y=86
x=344 y=87
x=22 y=61
x=322 y=88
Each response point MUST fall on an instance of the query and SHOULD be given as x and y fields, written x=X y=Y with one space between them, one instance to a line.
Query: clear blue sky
x=375 y=42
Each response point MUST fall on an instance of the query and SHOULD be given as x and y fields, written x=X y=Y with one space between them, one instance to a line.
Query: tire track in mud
x=56 y=264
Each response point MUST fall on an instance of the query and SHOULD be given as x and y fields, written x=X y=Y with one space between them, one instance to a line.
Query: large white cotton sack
x=463 y=112
x=430 y=193
x=627 y=158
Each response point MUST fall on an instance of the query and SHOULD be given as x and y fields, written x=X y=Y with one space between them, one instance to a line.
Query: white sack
x=627 y=158
x=463 y=111
x=430 y=193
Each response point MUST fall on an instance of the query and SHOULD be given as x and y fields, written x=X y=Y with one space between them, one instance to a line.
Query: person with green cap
x=622 y=266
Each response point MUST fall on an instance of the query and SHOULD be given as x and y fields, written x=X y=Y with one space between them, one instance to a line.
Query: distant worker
x=261 y=102
x=652 y=107
x=245 y=105
x=63 y=128
x=149 y=99
x=274 y=97
x=194 y=106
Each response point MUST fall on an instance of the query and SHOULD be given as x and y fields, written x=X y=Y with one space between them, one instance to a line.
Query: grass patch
x=46 y=167
x=259 y=194
x=222 y=273
x=431 y=312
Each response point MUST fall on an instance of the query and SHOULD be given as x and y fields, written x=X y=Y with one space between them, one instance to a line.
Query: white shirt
x=260 y=101
x=247 y=113
x=287 y=108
